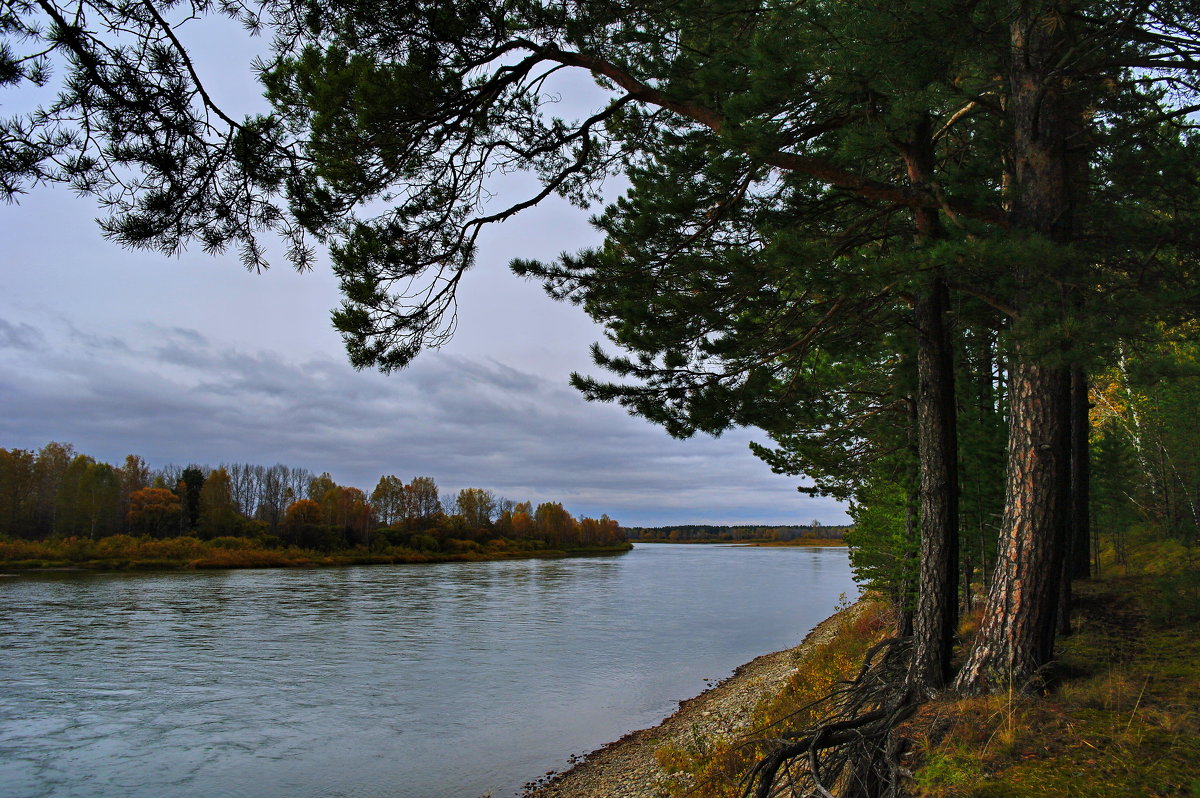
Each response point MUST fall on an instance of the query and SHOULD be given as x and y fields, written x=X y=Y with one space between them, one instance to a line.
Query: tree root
x=852 y=754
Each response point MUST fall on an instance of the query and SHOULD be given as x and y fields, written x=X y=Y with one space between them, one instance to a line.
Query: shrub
x=424 y=543
x=227 y=542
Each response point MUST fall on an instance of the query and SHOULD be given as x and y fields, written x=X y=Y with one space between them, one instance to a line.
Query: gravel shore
x=627 y=768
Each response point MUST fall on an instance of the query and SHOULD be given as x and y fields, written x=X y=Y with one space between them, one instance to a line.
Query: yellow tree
x=346 y=509
x=423 y=494
x=133 y=475
x=522 y=520
x=388 y=500
x=154 y=512
x=477 y=506
x=554 y=524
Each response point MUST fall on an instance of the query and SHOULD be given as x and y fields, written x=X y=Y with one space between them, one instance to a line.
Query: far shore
x=800 y=542
x=763 y=543
x=628 y=767
x=189 y=554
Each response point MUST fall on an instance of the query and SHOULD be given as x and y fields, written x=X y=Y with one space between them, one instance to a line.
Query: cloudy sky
x=195 y=360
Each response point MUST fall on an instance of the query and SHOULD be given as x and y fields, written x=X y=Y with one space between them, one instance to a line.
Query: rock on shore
x=627 y=768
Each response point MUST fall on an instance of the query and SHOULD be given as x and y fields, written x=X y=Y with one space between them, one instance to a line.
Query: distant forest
x=703 y=533
x=57 y=493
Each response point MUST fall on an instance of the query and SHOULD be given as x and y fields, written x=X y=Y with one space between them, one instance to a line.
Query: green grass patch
x=1124 y=719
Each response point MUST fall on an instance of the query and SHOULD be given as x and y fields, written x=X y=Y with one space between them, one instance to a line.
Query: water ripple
x=355 y=682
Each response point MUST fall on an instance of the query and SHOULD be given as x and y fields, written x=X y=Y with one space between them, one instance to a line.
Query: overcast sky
x=195 y=360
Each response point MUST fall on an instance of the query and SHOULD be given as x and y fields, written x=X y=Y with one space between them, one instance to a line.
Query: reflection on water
x=414 y=681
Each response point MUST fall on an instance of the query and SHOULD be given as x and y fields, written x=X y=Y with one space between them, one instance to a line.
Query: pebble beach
x=627 y=768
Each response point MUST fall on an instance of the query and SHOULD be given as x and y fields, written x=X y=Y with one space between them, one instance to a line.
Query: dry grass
x=708 y=767
x=1123 y=720
x=124 y=552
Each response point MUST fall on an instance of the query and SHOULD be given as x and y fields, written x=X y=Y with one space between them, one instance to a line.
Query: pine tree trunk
x=904 y=625
x=936 y=618
x=1077 y=539
x=1016 y=636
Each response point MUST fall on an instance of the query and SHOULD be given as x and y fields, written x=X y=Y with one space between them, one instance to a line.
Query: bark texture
x=1077 y=535
x=1015 y=639
x=936 y=618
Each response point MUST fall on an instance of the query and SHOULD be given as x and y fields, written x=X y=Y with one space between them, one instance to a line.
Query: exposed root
x=852 y=754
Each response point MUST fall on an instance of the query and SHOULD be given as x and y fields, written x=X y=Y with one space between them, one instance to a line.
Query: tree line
x=55 y=492
x=692 y=533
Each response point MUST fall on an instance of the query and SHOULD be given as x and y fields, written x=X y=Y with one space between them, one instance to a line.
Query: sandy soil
x=627 y=768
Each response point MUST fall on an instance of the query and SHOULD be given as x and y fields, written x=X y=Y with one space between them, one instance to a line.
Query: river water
x=451 y=680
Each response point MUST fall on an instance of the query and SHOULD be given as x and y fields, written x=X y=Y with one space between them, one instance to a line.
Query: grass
x=124 y=552
x=708 y=767
x=1123 y=719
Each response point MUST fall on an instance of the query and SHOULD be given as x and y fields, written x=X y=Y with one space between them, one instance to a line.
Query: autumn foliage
x=59 y=507
x=153 y=512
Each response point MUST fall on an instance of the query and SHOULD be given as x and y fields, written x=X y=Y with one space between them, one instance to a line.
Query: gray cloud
x=176 y=396
x=19 y=336
x=193 y=359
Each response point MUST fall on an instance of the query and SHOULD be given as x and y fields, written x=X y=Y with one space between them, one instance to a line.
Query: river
x=450 y=680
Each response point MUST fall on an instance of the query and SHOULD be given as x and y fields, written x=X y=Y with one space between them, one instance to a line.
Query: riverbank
x=630 y=767
x=1120 y=719
x=801 y=542
x=126 y=553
